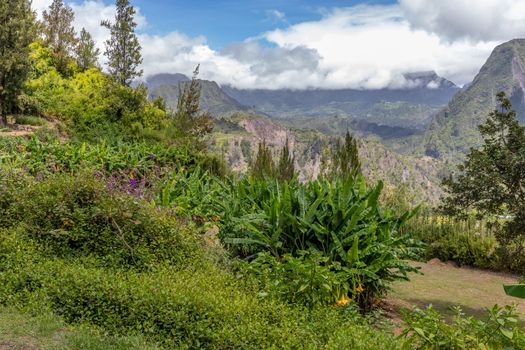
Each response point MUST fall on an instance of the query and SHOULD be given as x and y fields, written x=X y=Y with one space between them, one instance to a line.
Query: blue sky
x=223 y=22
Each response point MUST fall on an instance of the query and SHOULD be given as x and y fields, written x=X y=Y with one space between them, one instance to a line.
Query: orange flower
x=343 y=301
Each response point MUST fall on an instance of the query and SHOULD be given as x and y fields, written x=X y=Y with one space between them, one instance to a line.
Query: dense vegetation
x=114 y=217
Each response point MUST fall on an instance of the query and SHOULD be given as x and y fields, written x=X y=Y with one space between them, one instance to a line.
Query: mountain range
x=386 y=113
x=414 y=135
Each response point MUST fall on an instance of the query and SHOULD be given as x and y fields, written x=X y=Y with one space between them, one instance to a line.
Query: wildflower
x=359 y=289
x=343 y=301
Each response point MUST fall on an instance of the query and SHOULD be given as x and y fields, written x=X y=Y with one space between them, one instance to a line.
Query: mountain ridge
x=453 y=130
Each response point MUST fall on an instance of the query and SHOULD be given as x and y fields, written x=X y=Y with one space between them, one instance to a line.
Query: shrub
x=339 y=219
x=426 y=329
x=80 y=216
x=199 y=307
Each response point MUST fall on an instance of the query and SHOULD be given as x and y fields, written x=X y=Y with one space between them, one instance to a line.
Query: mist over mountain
x=387 y=113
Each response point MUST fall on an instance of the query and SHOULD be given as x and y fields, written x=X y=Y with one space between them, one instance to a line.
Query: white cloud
x=363 y=46
x=475 y=20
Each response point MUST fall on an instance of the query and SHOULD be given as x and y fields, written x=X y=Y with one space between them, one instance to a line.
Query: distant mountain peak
x=154 y=81
x=454 y=130
x=427 y=79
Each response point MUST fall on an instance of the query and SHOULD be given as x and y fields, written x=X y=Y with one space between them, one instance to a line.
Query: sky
x=305 y=44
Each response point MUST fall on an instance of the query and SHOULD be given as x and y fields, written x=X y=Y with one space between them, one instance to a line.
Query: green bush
x=79 y=216
x=30 y=120
x=201 y=307
x=426 y=329
x=308 y=279
x=467 y=242
x=339 y=219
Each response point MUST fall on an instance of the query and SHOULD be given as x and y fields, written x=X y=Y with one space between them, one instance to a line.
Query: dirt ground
x=444 y=285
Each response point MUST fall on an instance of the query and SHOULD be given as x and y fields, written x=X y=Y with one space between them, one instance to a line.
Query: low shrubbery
x=79 y=216
x=426 y=329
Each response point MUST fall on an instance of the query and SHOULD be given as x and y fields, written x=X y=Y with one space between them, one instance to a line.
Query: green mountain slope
x=454 y=129
x=213 y=99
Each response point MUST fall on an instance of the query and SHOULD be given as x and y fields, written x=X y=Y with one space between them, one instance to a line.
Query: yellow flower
x=359 y=289
x=343 y=301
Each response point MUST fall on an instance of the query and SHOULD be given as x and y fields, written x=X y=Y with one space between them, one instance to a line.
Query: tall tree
x=86 y=52
x=264 y=164
x=492 y=179
x=17 y=31
x=190 y=121
x=286 y=167
x=59 y=34
x=123 y=48
x=345 y=158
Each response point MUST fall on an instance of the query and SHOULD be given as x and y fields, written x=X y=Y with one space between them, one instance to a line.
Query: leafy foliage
x=59 y=35
x=492 y=178
x=86 y=52
x=16 y=33
x=426 y=329
x=339 y=219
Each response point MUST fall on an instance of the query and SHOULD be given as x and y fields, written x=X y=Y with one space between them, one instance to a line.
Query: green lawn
x=445 y=286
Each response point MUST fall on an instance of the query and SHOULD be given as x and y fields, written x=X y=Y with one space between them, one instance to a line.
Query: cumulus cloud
x=364 y=46
x=480 y=20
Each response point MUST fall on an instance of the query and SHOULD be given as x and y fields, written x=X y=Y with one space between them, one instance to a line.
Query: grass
x=19 y=331
x=30 y=120
x=444 y=286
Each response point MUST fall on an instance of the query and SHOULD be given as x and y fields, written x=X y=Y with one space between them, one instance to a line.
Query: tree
x=264 y=164
x=492 y=179
x=286 y=167
x=190 y=122
x=123 y=48
x=86 y=52
x=17 y=31
x=59 y=34
x=344 y=159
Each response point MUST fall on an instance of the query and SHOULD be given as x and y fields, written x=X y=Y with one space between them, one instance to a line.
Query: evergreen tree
x=286 y=167
x=59 y=34
x=492 y=179
x=345 y=158
x=190 y=121
x=264 y=164
x=86 y=51
x=123 y=48
x=17 y=31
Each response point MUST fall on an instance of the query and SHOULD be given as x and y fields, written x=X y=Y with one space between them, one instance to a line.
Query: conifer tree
x=190 y=120
x=86 y=52
x=59 y=34
x=264 y=164
x=123 y=48
x=286 y=167
x=17 y=31
x=345 y=158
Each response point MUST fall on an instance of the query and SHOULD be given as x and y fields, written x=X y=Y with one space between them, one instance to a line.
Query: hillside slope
x=236 y=138
x=213 y=98
x=454 y=129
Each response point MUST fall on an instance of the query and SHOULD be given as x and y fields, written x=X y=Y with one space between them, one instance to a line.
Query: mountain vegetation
x=120 y=219
x=454 y=130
